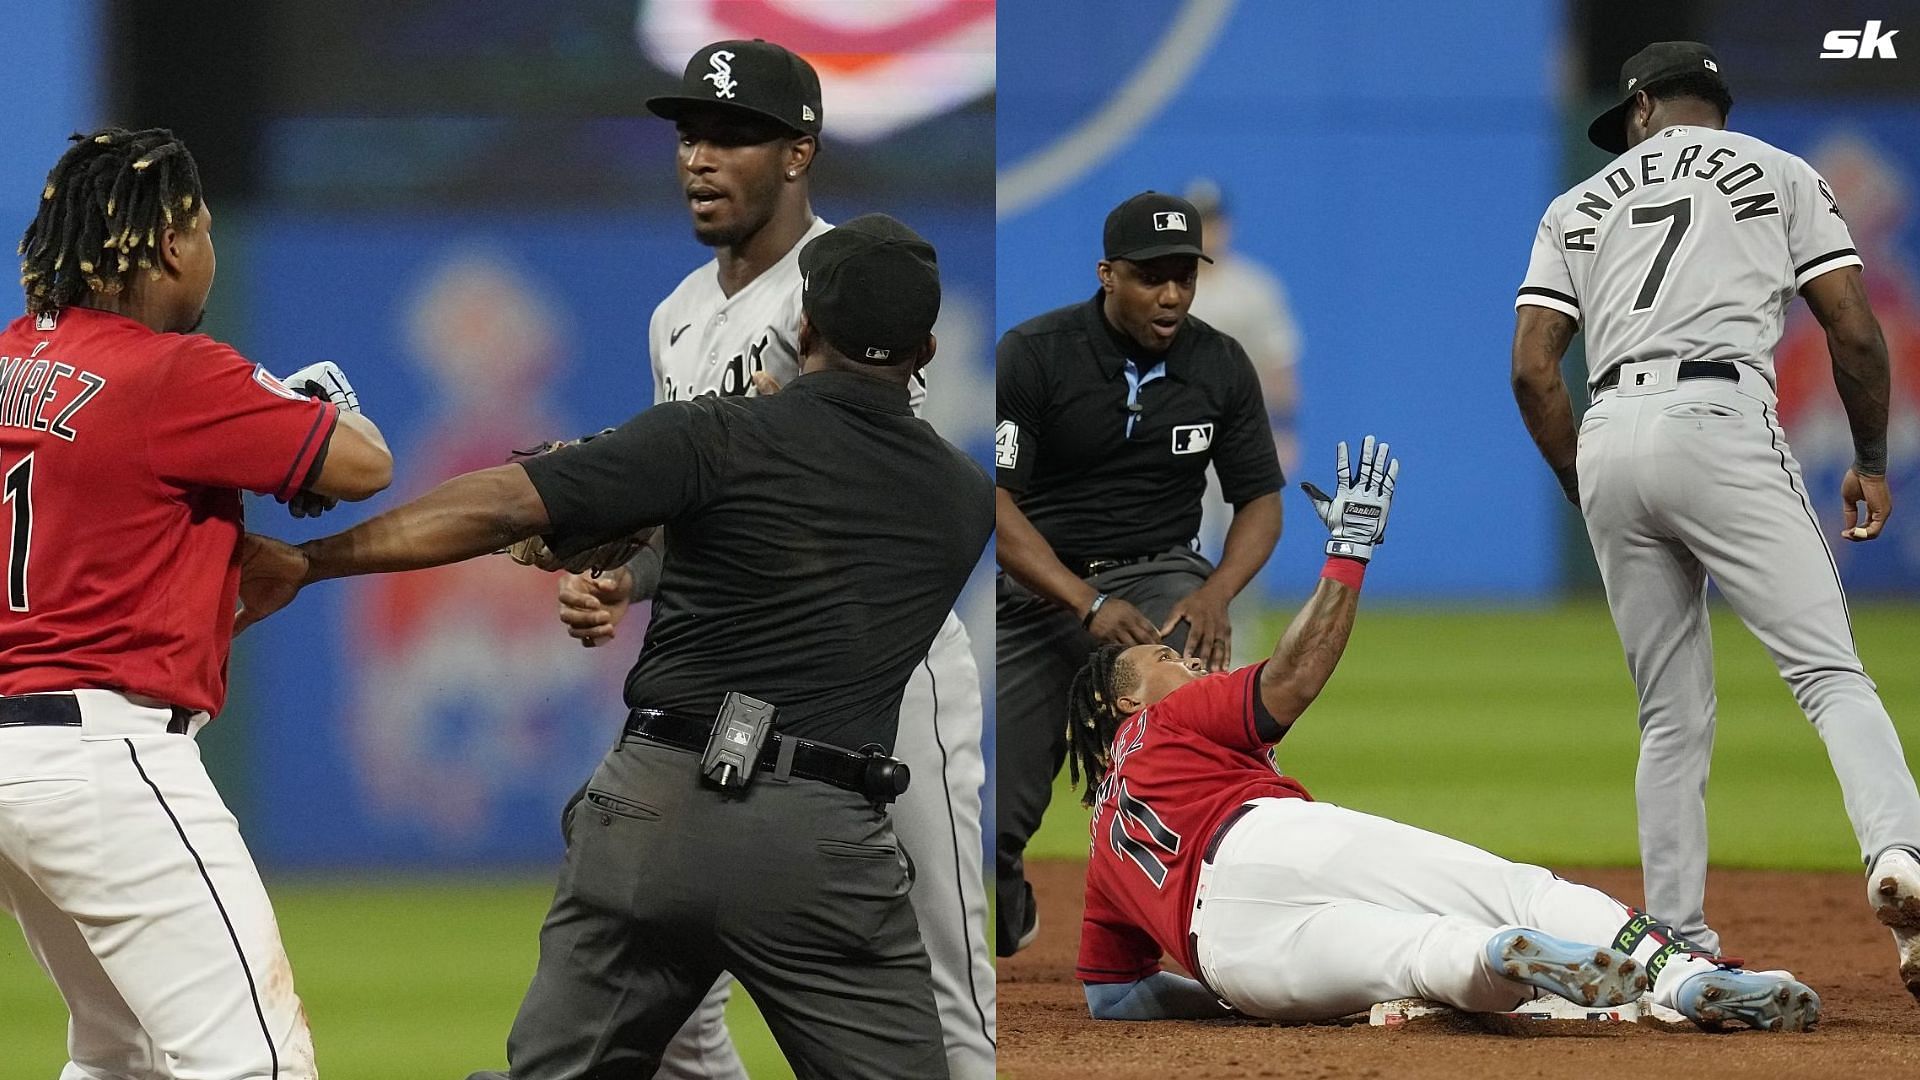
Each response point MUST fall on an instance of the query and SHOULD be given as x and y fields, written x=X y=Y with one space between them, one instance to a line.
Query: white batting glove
x=1356 y=512
x=324 y=380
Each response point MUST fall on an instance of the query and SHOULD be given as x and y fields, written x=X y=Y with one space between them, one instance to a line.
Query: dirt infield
x=1818 y=925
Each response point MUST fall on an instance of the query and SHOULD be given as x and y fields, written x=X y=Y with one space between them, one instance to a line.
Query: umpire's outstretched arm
x=471 y=514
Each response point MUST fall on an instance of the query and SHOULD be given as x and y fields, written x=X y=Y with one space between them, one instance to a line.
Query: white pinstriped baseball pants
x=137 y=895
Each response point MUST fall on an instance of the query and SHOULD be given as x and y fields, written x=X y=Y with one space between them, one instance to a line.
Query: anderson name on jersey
x=1688 y=246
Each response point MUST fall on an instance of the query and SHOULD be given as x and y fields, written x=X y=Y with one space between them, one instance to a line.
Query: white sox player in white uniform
x=714 y=336
x=1679 y=259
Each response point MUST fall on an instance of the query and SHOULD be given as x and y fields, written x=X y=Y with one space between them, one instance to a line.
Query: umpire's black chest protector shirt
x=1105 y=446
x=816 y=540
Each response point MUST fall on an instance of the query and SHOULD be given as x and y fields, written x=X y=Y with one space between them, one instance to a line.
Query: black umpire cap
x=871 y=287
x=1660 y=60
x=1150 y=225
x=755 y=77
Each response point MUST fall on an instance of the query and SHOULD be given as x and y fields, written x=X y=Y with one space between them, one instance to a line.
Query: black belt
x=875 y=775
x=1087 y=568
x=1220 y=831
x=1689 y=369
x=63 y=710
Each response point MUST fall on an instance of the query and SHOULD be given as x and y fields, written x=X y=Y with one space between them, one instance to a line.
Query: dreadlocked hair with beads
x=1093 y=715
x=104 y=212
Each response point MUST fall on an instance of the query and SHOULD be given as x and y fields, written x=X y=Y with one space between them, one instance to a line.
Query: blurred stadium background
x=1389 y=162
x=465 y=203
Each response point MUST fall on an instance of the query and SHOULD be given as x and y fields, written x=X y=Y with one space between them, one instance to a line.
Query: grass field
x=411 y=980
x=1515 y=731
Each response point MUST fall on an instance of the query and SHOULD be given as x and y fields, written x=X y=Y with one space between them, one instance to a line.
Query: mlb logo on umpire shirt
x=1169 y=220
x=1192 y=438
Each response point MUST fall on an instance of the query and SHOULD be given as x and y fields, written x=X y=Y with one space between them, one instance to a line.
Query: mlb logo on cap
x=879 y=354
x=1165 y=220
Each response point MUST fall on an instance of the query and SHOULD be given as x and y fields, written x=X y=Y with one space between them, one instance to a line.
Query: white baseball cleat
x=1893 y=888
x=1767 y=1000
x=1587 y=974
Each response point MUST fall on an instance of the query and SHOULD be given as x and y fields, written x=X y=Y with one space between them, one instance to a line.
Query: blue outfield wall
x=439 y=719
x=1390 y=161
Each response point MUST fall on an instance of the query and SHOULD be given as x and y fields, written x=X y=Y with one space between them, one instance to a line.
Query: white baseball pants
x=1311 y=911
x=137 y=895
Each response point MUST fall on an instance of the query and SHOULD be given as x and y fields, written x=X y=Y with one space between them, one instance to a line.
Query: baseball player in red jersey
x=125 y=442
x=1292 y=909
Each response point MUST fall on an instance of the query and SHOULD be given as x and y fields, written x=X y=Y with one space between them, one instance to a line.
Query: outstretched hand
x=271 y=574
x=1356 y=512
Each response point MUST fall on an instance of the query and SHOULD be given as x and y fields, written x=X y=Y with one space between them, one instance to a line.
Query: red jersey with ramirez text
x=1180 y=766
x=122 y=456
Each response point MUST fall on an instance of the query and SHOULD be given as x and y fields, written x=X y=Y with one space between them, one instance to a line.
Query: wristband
x=1346 y=571
x=1871 y=459
x=1087 y=623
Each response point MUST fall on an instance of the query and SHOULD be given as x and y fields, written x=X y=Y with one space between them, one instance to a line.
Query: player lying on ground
x=1291 y=909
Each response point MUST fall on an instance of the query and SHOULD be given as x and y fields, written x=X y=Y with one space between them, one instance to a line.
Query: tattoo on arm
x=1860 y=366
x=1304 y=659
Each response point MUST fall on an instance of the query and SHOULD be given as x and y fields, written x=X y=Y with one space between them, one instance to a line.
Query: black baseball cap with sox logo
x=1660 y=60
x=755 y=77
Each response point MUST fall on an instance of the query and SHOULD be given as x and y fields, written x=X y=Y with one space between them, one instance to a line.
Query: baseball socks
x=1711 y=991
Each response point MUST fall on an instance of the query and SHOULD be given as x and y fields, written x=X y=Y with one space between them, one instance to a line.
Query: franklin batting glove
x=1356 y=512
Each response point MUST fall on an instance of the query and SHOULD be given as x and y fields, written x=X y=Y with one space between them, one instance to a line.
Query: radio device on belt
x=733 y=749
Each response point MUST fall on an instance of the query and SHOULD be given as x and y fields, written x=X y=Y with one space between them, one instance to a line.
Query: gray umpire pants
x=1038 y=649
x=1681 y=480
x=799 y=889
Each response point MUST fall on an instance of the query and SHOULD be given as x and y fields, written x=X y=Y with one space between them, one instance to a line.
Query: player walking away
x=1680 y=258
x=1120 y=402
x=732 y=328
x=125 y=441
x=1290 y=909
x=828 y=498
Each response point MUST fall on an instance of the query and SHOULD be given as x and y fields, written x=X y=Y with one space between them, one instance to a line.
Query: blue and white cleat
x=1587 y=974
x=1767 y=1000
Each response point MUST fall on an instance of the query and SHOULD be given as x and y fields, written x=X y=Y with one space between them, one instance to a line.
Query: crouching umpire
x=1109 y=413
x=816 y=539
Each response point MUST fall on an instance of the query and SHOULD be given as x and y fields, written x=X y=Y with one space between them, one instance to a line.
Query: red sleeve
x=1224 y=709
x=219 y=420
x=1112 y=949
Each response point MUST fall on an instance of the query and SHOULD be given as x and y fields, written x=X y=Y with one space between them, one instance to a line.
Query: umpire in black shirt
x=1109 y=413
x=816 y=539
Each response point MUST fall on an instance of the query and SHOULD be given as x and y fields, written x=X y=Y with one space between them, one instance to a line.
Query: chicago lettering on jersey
x=28 y=387
x=1732 y=177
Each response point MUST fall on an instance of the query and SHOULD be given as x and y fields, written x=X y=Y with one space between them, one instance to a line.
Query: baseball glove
x=533 y=551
